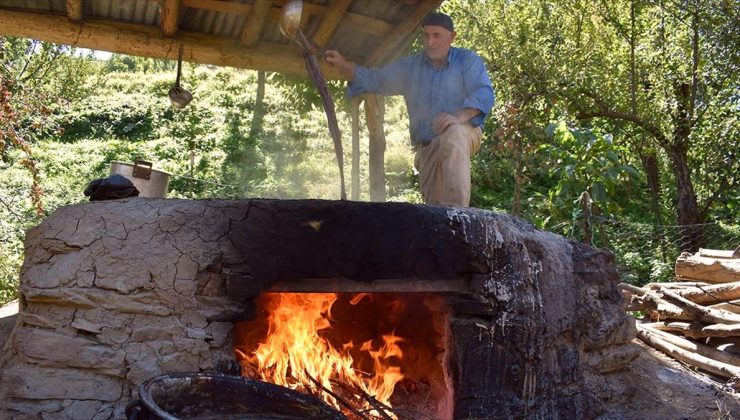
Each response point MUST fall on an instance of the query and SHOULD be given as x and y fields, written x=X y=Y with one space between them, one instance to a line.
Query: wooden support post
x=170 y=13
x=355 y=112
x=375 y=116
x=74 y=10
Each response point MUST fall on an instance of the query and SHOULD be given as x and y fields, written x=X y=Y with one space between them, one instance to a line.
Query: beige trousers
x=444 y=165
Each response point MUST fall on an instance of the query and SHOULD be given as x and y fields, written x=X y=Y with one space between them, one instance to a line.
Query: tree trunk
x=375 y=116
x=689 y=215
x=652 y=171
x=516 y=205
x=259 y=106
x=355 y=113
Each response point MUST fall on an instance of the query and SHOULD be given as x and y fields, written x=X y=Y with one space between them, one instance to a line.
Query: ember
x=368 y=350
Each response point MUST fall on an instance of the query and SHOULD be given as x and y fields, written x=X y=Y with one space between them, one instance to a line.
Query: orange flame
x=294 y=351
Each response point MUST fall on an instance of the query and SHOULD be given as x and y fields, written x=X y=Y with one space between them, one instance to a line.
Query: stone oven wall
x=114 y=293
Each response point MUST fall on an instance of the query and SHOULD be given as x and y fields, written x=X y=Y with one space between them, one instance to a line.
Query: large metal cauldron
x=216 y=396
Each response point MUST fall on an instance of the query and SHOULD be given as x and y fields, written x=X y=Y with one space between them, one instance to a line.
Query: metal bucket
x=150 y=182
x=222 y=397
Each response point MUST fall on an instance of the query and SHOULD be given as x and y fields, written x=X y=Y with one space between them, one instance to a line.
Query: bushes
x=126 y=116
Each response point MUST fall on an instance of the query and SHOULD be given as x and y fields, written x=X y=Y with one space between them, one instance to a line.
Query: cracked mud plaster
x=130 y=289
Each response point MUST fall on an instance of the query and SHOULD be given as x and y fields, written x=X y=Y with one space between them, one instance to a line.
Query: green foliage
x=130 y=116
x=585 y=160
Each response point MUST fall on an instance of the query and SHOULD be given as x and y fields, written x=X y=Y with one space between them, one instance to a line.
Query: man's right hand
x=335 y=59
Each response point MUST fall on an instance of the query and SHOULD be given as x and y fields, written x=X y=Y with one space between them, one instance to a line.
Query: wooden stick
x=632 y=289
x=659 y=309
x=710 y=294
x=732 y=306
x=377 y=405
x=706 y=315
x=676 y=284
x=701 y=349
x=694 y=330
x=718 y=368
x=338 y=398
x=718 y=253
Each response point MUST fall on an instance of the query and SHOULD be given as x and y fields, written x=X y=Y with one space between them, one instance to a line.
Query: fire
x=296 y=352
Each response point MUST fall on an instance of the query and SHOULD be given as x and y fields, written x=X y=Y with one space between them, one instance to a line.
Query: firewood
x=336 y=396
x=731 y=306
x=708 y=295
x=632 y=289
x=730 y=348
x=711 y=270
x=659 y=309
x=719 y=253
x=705 y=363
x=725 y=344
x=676 y=284
x=668 y=313
x=701 y=349
x=701 y=313
x=697 y=330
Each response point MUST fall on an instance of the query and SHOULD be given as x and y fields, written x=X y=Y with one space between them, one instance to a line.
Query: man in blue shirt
x=448 y=95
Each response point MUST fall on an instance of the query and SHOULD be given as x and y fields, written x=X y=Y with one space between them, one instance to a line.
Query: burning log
x=336 y=396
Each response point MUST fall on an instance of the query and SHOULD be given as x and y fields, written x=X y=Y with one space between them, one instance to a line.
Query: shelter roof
x=237 y=33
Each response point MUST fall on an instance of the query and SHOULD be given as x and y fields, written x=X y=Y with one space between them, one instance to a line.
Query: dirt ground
x=659 y=387
x=654 y=387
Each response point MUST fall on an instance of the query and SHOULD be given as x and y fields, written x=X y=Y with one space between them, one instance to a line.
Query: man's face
x=437 y=43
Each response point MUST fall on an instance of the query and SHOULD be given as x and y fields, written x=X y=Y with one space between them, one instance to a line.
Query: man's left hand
x=444 y=120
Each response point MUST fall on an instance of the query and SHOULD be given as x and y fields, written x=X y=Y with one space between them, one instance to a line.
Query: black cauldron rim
x=147 y=408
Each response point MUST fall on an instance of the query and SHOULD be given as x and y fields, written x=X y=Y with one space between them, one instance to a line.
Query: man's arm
x=389 y=80
x=335 y=59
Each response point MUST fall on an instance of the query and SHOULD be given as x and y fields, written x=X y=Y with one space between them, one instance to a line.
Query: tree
x=661 y=76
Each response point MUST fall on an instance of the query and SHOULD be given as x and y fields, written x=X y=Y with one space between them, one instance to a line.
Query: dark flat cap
x=439 y=19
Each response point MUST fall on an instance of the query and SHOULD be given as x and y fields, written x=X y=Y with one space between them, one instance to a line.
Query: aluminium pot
x=223 y=397
x=150 y=182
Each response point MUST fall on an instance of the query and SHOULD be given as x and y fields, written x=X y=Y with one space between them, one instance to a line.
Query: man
x=448 y=95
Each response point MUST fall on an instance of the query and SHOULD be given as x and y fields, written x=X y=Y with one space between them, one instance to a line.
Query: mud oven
x=442 y=312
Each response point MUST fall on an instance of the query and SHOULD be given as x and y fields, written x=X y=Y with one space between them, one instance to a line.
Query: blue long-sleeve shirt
x=461 y=83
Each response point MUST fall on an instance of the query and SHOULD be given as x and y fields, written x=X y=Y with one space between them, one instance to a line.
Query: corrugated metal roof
x=361 y=29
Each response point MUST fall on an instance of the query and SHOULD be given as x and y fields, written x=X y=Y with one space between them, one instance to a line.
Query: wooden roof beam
x=398 y=33
x=330 y=21
x=170 y=13
x=74 y=10
x=252 y=31
x=146 y=41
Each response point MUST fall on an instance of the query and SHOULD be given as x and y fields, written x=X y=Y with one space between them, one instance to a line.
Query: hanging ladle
x=290 y=26
x=179 y=96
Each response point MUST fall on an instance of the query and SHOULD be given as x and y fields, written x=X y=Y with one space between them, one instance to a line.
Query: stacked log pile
x=696 y=318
